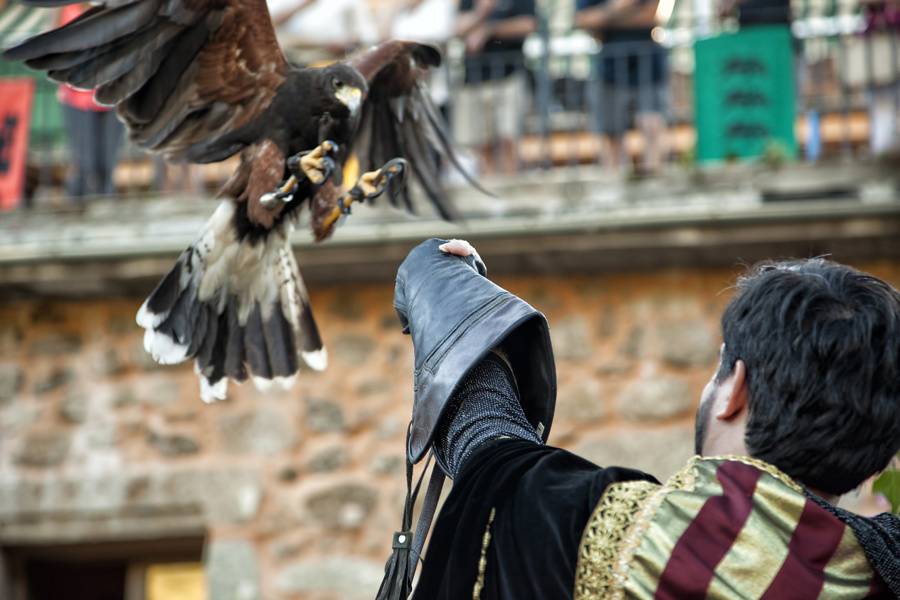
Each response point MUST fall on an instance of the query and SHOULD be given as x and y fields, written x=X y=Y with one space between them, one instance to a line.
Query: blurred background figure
x=488 y=109
x=883 y=22
x=313 y=31
x=427 y=21
x=758 y=12
x=94 y=134
x=181 y=178
x=632 y=75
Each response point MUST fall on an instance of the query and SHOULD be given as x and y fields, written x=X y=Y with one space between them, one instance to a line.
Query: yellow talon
x=312 y=163
x=312 y=167
x=342 y=204
x=368 y=182
x=289 y=185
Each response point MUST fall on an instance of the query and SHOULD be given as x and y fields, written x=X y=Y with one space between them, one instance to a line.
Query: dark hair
x=821 y=342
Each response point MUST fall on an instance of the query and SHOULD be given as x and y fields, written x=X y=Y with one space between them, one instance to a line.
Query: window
x=158 y=570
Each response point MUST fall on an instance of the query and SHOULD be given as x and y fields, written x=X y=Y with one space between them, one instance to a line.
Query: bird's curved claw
x=316 y=165
x=284 y=193
x=374 y=183
x=370 y=186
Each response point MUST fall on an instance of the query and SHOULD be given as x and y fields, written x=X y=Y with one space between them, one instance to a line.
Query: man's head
x=809 y=374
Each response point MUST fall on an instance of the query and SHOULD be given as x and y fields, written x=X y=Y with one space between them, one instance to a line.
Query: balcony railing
x=566 y=100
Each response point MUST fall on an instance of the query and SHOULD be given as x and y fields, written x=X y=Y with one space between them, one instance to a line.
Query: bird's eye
x=337 y=83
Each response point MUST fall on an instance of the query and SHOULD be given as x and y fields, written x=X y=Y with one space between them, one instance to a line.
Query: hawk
x=203 y=80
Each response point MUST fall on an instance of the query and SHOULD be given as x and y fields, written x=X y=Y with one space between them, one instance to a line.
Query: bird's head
x=346 y=84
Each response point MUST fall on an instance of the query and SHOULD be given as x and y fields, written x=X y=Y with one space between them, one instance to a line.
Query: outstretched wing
x=185 y=75
x=400 y=120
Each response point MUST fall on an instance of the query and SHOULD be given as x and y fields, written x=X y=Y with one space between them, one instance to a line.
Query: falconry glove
x=455 y=316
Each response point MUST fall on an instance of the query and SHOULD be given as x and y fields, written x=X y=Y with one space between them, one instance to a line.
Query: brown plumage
x=203 y=80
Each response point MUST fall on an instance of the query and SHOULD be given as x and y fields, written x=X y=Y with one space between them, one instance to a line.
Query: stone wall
x=298 y=492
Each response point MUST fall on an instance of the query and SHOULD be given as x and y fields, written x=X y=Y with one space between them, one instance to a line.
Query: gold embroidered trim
x=482 y=561
x=761 y=465
x=603 y=536
x=685 y=479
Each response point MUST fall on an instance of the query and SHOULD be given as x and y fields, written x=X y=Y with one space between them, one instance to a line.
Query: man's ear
x=735 y=393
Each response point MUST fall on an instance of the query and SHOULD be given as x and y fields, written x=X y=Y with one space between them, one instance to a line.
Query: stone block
x=390 y=322
x=390 y=428
x=388 y=464
x=658 y=451
x=232 y=572
x=11 y=379
x=543 y=298
x=173 y=444
x=48 y=313
x=122 y=323
x=347 y=306
x=162 y=393
x=617 y=365
x=56 y=344
x=287 y=549
x=10 y=339
x=633 y=346
x=343 y=506
x=109 y=363
x=124 y=396
x=581 y=401
x=262 y=431
x=17 y=416
x=340 y=577
x=687 y=344
x=328 y=460
x=353 y=349
x=571 y=338
x=656 y=398
x=43 y=449
x=228 y=496
x=74 y=408
x=102 y=436
x=55 y=379
x=323 y=416
x=373 y=387
x=607 y=326
x=288 y=474
x=141 y=359
x=129 y=504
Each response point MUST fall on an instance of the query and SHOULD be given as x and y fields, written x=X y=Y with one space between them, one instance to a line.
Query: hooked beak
x=350 y=97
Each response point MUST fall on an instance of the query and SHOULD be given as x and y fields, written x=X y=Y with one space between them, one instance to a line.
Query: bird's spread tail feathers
x=238 y=307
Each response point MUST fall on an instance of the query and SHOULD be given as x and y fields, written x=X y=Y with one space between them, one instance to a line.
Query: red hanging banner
x=16 y=96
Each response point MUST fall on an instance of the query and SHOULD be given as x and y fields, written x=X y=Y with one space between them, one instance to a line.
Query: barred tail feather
x=238 y=307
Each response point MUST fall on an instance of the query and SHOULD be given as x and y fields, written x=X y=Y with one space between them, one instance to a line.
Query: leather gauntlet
x=455 y=315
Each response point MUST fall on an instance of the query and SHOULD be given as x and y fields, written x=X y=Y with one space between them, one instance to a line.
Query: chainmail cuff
x=484 y=407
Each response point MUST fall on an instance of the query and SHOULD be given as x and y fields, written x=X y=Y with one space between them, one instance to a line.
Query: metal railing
x=581 y=99
x=566 y=100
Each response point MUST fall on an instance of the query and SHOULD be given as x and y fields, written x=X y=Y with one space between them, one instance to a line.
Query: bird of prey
x=203 y=80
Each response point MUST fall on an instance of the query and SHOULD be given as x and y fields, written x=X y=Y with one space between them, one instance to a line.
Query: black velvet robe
x=543 y=498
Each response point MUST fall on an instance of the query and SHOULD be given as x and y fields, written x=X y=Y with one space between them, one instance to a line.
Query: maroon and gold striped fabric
x=728 y=528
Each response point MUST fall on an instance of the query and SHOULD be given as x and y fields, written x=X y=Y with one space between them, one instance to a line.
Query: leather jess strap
x=407 y=547
x=429 y=507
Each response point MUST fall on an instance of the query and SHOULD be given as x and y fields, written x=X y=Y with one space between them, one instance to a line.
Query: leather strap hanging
x=407 y=547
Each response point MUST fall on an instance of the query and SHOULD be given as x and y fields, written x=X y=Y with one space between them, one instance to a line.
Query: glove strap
x=407 y=548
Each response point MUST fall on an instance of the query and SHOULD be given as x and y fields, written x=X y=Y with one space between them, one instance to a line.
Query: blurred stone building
x=117 y=482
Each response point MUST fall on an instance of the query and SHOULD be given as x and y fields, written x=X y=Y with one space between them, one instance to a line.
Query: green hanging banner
x=744 y=93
